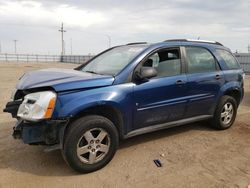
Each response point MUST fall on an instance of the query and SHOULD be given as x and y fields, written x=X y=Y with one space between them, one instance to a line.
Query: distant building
x=244 y=60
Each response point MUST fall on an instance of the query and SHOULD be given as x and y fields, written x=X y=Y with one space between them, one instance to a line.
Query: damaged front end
x=42 y=129
x=44 y=133
x=12 y=107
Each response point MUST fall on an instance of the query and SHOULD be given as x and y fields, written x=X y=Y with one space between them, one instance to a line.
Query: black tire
x=217 y=121
x=75 y=133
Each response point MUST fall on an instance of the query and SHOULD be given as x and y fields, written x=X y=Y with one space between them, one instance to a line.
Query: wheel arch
x=107 y=111
x=235 y=93
x=233 y=89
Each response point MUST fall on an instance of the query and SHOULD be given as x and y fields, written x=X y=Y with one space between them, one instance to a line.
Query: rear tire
x=90 y=143
x=225 y=113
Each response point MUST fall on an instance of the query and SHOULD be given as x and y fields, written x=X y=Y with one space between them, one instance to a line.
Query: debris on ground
x=162 y=155
x=158 y=163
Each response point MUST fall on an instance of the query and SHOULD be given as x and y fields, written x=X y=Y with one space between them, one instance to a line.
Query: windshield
x=113 y=61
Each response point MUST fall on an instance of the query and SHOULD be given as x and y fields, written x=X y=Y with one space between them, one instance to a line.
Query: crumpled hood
x=62 y=79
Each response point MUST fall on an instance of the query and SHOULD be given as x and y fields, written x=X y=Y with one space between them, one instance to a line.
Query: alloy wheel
x=227 y=113
x=93 y=146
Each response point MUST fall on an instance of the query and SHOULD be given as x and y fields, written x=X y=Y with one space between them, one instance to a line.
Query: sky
x=91 y=24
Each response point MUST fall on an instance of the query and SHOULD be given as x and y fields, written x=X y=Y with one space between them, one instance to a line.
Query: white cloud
x=35 y=12
x=88 y=22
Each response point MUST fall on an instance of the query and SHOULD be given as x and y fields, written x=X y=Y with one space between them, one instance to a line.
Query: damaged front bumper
x=12 y=107
x=48 y=132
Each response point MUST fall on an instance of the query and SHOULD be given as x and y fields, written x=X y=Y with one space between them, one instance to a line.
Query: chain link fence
x=44 y=58
x=75 y=58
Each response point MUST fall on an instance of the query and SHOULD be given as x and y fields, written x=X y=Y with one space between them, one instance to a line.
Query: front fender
x=117 y=96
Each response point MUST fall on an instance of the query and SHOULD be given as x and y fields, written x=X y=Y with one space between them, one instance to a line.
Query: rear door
x=204 y=81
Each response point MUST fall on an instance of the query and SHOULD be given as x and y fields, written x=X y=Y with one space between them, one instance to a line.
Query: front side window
x=200 y=60
x=114 y=60
x=229 y=59
x=166 y=62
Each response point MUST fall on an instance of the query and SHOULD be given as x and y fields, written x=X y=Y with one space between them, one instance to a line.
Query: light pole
x=15 y=41
x=62 y=31
x=109 y=41
x=71 y=46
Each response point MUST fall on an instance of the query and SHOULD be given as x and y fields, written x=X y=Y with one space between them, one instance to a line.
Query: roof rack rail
x=133 y=43
x=193 y=40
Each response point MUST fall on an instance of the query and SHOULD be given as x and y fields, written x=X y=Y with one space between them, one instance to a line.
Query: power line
x=62 y=31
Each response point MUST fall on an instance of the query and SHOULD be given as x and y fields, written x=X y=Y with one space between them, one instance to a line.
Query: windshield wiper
x=92 y=72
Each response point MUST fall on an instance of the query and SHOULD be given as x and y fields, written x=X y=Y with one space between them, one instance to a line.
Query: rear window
x=229 y=59
x=200 y=60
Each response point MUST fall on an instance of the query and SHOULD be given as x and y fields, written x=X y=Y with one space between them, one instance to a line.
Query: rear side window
x=200 y=60
x=228 y=58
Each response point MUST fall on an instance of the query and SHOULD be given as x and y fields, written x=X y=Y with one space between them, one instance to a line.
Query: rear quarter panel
x=233 y=78
x=233 y=81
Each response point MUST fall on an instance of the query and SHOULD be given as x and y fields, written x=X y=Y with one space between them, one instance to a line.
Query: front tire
x=225 y=113
x=90 y=143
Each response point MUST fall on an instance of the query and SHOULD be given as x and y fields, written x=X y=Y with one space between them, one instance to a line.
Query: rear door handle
x=179 y=82
x=217 y=77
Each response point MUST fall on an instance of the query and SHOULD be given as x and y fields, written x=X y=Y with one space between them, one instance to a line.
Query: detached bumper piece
x=12 y=107
x=44 y=132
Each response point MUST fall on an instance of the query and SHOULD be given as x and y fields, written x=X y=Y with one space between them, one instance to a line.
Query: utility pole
x=248 y=48
x=64 y=47
x=62 y=31
x=109 y=41
x=15 y=41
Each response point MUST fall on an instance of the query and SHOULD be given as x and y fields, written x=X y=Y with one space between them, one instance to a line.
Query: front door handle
x=217 y=77
x=180 y=82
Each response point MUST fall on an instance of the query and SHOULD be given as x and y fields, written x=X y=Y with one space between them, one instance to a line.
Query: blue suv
x=125 y=91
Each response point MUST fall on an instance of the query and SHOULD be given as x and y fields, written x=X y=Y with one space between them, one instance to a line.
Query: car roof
x=181 y=42
x=194 y=41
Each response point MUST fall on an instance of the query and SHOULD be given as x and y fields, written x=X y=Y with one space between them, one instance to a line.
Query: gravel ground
x=192 y=155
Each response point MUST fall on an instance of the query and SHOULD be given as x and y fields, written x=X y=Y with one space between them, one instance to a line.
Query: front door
x=163 y=98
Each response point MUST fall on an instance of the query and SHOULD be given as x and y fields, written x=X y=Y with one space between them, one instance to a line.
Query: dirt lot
x=194 y=155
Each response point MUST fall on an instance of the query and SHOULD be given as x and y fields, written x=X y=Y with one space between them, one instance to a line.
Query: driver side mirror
x=145 y=73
